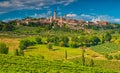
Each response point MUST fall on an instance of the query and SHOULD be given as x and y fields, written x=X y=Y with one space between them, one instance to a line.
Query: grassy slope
x=106 y=48
x=60 y=52
x=12 y=43
x=32 y=64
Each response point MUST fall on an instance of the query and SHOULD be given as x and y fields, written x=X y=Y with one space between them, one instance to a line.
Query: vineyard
x=106 y=48
x=37 y=64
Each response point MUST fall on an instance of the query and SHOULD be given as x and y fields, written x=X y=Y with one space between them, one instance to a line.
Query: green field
x=59 y=52
x=106 y=48
x=39 y=59
x=31 y=64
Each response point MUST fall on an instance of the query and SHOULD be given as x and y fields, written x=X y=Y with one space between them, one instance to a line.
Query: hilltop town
x=62 y=20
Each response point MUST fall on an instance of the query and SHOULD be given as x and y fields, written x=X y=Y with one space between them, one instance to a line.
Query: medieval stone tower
x=55 y=15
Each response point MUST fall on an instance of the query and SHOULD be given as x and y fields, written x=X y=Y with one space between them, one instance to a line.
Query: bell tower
x=55 y=15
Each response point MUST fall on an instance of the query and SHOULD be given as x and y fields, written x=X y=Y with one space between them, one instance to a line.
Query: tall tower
x=51 y=19
x=61 y=21
x=55 y=15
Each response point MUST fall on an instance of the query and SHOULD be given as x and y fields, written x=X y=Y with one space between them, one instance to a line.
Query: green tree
x=38 y=40
x=3 y=48
x=16 y=52
x=75 y=39
x=56 y=40
x=91 y=63
x=61 y=44
x=25 y=43
x=108 y=37
x=117 y=57
x=65 y=39
x=8 y=27
x=21 y=52
x=84 y=41
x=73 y=44
x=95 y=40
x=66 y=54
x=110 y=57
x=103 y=39
x=1 y=26
x=49 y=46
x=83 y=58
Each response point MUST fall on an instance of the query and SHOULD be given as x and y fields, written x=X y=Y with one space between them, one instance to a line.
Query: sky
x=89 y=10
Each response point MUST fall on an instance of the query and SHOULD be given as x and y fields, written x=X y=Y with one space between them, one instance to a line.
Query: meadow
x=39 y=59
x=106 y=48
x=37 y=64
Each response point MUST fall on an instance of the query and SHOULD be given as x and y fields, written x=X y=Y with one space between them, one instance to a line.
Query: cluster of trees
x=27 y=42
x=7 y=26
x=107 y=37
x=85 y=41
x=74 y=42
x=3 y=48
x=58 y=41
x=82 y=41
x=108 y=26
x=83 y=60
x=19 y=52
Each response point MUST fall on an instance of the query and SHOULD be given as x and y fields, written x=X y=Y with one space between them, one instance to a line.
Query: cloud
x=68 y=2
x=105 y=18
x=5 y=4
x=43 y=15
x=86 y=16
x=71 y=15
x=95 y=17
x=10 y=5
x=117 y=20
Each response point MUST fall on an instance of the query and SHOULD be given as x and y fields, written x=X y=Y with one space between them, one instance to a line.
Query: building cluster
x=71 y=23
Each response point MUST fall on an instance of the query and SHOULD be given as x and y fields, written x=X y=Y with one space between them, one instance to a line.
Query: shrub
x=61 y=44
x=54 y=40
x=3 y=48
x=38 y=40
x=21 y=53
x=110 y=57
x=16 y=52
x=25 y=43
x=49 y=46
x=108 y=37
x=74 y=44
x=65 y=39
x=117 y=57
x=49 y=40
x=95 y=40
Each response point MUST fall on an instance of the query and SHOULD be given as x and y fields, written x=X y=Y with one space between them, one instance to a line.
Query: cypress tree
x=83 y=58
x=65 y=54
x=91 y=63
x=16 y=52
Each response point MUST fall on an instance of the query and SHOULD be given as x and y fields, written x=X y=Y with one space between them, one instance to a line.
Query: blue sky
x=91 y=10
